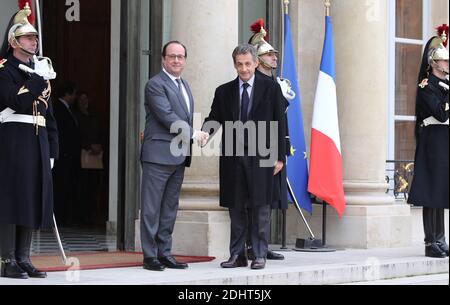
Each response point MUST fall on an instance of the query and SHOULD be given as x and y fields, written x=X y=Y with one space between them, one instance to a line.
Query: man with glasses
x=168 y=103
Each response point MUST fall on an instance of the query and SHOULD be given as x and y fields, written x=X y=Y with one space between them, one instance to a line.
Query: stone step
x=388 y=266
x=425 y=280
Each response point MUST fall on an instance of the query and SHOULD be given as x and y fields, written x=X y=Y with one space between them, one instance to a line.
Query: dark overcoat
x=266 y=108
x=431 y=171
x=26 y=188
x=282 y=203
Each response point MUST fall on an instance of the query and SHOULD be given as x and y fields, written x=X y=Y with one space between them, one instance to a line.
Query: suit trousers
x=434 y=225
x=15 y=242
x=239 y=215
x=160 y=194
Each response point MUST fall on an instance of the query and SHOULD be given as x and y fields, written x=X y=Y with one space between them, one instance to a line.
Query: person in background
x=91 y=162
x=429 y=188
x=67 y=167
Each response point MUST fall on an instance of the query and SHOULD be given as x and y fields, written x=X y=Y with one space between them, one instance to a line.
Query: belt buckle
x=41 y=121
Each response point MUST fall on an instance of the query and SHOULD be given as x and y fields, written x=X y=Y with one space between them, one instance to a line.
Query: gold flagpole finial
x=327 y=7
x=286 y=6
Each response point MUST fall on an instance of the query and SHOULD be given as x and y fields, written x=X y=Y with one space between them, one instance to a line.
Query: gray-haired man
x=244 y=181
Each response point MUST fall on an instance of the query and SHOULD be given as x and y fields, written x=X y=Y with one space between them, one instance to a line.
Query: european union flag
x=297 y=166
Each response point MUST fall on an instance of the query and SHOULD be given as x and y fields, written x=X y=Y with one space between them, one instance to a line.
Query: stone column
x=372 y=218
x=438 y=15
x=209 y=29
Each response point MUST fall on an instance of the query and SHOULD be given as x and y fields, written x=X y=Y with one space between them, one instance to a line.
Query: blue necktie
x=245 y=102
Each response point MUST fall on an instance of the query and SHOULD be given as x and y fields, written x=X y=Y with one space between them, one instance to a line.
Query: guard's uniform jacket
x=431 y=171
x=26 y=189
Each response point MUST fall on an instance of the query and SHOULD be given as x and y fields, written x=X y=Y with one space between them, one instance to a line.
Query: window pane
x=405 y=141
x=408 y=59
x=249 y=12
x=409 y=19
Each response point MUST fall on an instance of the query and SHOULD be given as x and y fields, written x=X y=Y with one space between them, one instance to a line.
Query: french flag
x=325 y=177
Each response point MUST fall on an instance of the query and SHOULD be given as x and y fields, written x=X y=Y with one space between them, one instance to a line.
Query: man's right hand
x=201 y=138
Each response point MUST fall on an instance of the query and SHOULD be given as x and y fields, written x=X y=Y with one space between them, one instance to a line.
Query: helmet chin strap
x=266 y=65
x=14 y=40
x=436 y=66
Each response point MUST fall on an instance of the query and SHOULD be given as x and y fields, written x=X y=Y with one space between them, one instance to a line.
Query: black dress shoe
x=171 y=263
x=153 y=264
x=259 y=263
x=435 y=251
x=443 y=247
x=31 y=270
x=272 y=256
x=10 y=269
x=235 y=261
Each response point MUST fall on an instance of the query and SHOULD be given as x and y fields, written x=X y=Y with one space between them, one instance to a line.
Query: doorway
x=81 y=54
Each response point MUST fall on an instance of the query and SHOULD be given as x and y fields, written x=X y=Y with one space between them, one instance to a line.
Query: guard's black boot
x=434 y=251
x=10 y=269
x=31 y=270
x=250 y=254
x=273 y=256
x=443 y=247
x=23 y=249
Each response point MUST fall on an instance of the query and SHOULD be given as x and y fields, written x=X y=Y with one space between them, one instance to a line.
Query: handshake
x=201 y=138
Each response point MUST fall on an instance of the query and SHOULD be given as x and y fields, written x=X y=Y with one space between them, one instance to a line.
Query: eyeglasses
x=173 y=57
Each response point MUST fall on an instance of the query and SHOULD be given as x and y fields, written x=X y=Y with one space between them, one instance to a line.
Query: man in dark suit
x=169 y=106
x=268 y=65
x=67 y=167
x=247 y=176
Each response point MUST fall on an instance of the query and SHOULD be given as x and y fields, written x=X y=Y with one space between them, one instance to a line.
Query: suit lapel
x=235 y=99
x=174 y=87
x=258 y=91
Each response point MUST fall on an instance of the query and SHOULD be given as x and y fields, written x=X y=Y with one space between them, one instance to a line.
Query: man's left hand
x=278 y=168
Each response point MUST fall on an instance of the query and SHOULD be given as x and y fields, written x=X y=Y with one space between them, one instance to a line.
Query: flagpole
x=327 y=7
x=39 y=24
x=312 y=242
x=284 y=8
x=285 y=11
x=41 y=54
x=325 y=205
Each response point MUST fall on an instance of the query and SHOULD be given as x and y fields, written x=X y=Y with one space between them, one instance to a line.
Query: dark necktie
x=245 y=102
x=180 y=90
x=179 y=86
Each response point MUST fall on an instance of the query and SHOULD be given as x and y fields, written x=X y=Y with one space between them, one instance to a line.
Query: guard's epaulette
x=2 y=62
x=424 y=83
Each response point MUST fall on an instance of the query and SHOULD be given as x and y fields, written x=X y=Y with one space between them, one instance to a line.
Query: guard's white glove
x=286 y=88
x=42 y=67
x=52 y=163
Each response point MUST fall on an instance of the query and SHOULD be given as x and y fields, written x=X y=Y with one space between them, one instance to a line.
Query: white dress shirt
x=183 y=89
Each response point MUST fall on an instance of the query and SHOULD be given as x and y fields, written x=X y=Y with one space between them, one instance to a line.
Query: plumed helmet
x=435 y=50
x=22 y=25
x=259 y=39
x=438 y=50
